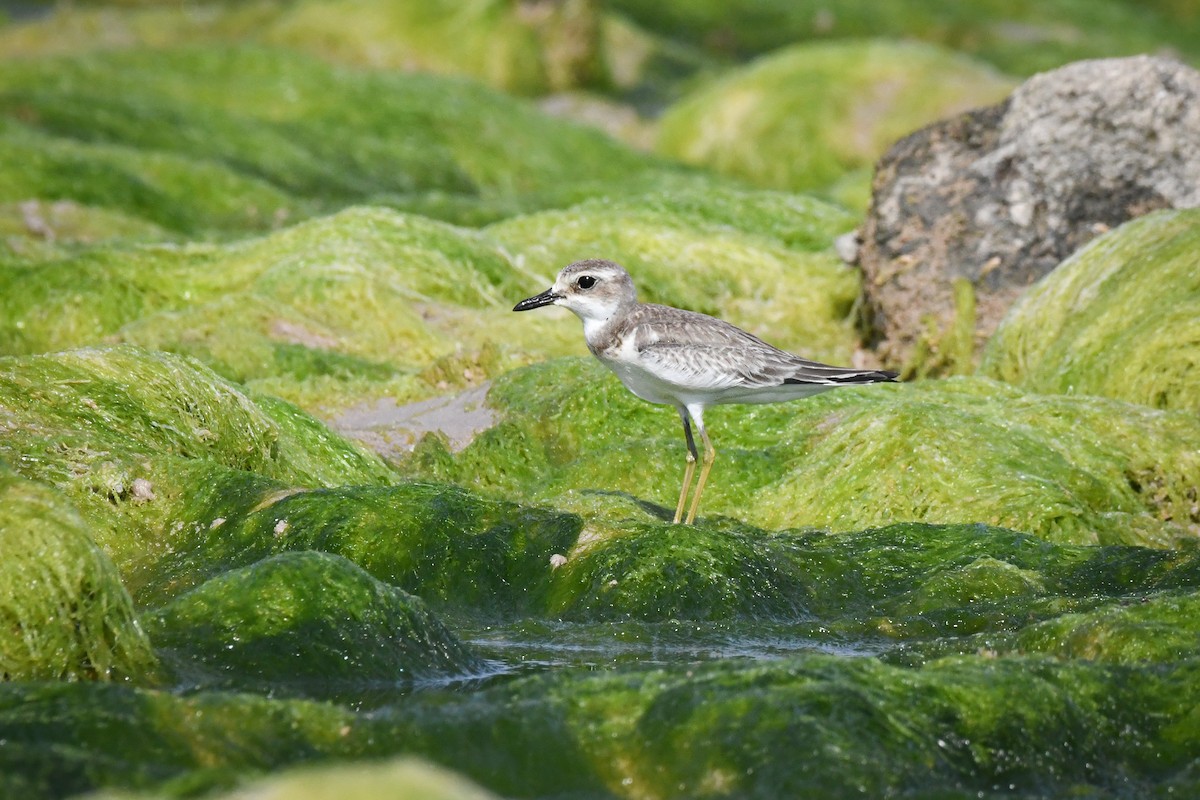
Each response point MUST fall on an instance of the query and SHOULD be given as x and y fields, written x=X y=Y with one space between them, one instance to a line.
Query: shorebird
x=683 y=358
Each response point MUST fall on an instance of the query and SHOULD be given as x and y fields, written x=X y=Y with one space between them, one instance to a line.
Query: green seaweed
x=372 y=303
x=803 y=117
x=1021 y=40
x=1016 y=727
x=502 y=45
x=153 y=448
x=207 y=140
x=1120 y=318
x=64 y=615
x=1070 y=469
x=716 y=250
x=306 y=622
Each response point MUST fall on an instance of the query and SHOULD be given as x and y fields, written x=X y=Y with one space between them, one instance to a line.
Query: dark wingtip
x=871 y=376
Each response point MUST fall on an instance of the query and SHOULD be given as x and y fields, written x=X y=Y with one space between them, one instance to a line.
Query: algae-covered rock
x=64 y=739
x=998 y=728
x=406 y=777
x=439 y=542
x=755 y=258
x=64 y=614
x=1021 y=40
x=802 y=118
x=328 y=313
x=305 y=622
x=372 y=304
x=968 y=212
x=1120 y=318
x=205 y=140
x=904 y=582
x=505 y=45
x=154 y=448
x=1070 y=469
x=1004 y=727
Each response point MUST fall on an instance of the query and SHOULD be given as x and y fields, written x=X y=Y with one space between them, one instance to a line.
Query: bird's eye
x=586 y=282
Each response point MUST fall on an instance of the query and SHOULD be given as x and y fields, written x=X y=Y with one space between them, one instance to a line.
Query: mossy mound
x=995 y=728
x=439 y=542
x=330 y=312
x=373 y=303
x=802 y=118
x=1007 y=727
x=901 y=582
x=1070 y=469
x=147 y=445
x=368 y=780
x=1120 y=318
x=751 y=257
x=500 y=44
x=205 y=141
x=65 y=739
x=35 y=230
x=1021 y=41
x=64 y=614
x=304 y=622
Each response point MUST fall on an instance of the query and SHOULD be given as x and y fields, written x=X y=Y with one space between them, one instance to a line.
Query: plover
x=682 y=358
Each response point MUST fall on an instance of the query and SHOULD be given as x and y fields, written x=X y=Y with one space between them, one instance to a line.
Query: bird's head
x=594 y=289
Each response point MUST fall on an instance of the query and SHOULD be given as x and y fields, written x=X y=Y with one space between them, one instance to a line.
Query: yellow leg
x=709 y=456
x=683 y=492
x=691 y=465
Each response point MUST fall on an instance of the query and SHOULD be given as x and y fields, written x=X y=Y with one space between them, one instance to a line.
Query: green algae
x=904 y=582
x=155 y=193
x=373 y=303
x=271 y=134
x=1015 y=727
x=63 y=739
x=1120 y=318
x=327 y=313
x=714 y=250
x=43 y=231
x=438 y=542
x=63 y=612
x=399 y=777
x=804 y=117
x=507 y=47
x=1114 y=691
x=1069 y=469
x=304 y=621
x=151 y=446
x=1021 y=40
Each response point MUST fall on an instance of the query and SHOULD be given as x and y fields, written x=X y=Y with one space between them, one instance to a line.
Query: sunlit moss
x=509 y=47
x=331 y=312
x=760 y=259
x=1120 y=318
x=1070 y=469
x=367 y=780
x=64 y=614
x=153 y=448
x=1022 y=40
x=372 y=303
x=802 y=118
x=226 y=139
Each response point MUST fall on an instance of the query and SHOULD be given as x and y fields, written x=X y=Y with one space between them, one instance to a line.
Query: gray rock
x=1001 y=195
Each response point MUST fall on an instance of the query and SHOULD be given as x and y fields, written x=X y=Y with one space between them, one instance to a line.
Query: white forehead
x=597 y=268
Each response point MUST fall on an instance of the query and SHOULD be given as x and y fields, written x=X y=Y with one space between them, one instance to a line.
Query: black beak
x=537 y=301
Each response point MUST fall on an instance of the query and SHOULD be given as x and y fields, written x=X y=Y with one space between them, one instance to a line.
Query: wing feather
x=701 y=352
